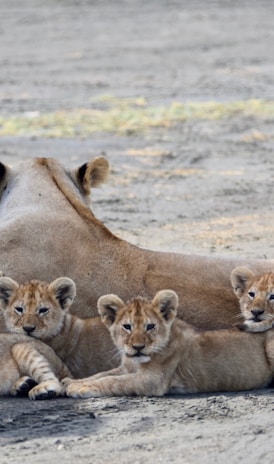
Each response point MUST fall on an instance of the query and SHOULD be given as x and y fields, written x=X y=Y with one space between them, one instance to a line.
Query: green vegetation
x=125 y=117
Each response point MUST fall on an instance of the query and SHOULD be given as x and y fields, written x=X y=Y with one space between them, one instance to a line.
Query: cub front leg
x=123 y=385
x=34 y=365
x=112 y=372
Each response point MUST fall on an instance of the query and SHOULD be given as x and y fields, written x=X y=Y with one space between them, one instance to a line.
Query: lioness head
x=36 y=308
x=139 y=327
x=256 y=296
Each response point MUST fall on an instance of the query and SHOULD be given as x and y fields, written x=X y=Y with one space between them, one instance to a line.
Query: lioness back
x=256 y=298
x=41 y=310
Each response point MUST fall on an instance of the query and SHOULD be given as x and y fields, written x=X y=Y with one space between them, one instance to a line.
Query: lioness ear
x=7 y=287
x=92 y=174
x=108 y=305
x=64 y=290
x=167 y=303
x=239 y=278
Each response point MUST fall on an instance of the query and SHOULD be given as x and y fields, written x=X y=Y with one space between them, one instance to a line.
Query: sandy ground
x=201 y=186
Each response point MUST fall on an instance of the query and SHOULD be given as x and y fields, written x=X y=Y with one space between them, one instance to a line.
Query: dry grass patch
x=126 y=117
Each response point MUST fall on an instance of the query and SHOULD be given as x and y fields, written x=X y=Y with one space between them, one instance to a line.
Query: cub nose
x=257 y=312
x=29 y=328
x=138 y=347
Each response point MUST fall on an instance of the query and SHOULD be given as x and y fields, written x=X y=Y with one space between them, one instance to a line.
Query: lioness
x=40 y=309
x=26 y=362
x=46 y=206
x=256 y=296
x=162 y=354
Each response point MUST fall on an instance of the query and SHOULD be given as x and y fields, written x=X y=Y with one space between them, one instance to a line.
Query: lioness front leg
x=123 y=385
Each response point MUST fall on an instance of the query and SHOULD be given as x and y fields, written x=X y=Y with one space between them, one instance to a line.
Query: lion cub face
x=256 y=296
x=139 y=328
x=36 y=308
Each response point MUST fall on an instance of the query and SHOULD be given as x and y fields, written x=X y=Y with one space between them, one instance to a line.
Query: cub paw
x=22 y=386
x=66 y=381
x=46 y=391
x=78 y=390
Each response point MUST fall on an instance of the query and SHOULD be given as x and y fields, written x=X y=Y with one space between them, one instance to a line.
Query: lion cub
x=25 y=363
x=40 y=310
x=256 y=296
x=162 y=354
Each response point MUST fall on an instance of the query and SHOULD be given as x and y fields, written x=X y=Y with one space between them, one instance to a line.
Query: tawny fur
x=162 y=354
x=256 y=297
x=48 y=230
x=26 y=362
x=40 y=309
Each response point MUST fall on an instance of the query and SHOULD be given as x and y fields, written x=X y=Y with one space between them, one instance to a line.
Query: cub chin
x=256 y=297
x=162 y=354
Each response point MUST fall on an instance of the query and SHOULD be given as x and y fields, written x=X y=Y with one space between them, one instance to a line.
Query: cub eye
x=43 y=310
x=150 y=327
x=271 y=297
x=127 y=327
x=19 y=309
x=251 y=295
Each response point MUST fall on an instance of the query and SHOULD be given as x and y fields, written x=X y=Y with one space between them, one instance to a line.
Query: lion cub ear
x=7 y=288
x=64 y=290
x=167 y=303
x=240 y=276
x=92 y=174
x=108 y=306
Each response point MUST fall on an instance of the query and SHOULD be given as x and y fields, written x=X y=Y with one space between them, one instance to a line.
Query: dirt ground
x=201 y=186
